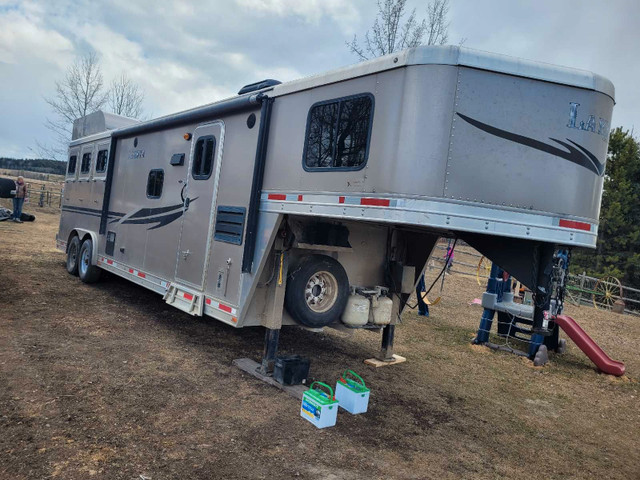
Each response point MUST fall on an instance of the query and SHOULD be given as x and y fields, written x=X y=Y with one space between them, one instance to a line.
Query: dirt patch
x=107 y=381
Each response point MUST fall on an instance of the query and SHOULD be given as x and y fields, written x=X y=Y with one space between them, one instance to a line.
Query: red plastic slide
x=589 y=347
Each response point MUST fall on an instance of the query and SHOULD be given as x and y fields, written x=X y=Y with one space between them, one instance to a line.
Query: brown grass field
x=107 y=381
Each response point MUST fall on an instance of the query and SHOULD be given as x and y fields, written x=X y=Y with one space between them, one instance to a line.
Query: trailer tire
x=317 y=291
x=73 y=253
x=88 y=272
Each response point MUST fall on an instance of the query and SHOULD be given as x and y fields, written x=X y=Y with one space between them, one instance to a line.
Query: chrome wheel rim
x=321 y=291
x=84 y=261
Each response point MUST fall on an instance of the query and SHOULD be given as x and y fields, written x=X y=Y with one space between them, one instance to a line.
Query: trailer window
x=203 y=157
x=85 y=166
x=338 y=133
x=154 y=183
x=101 y=161
x=71 y=168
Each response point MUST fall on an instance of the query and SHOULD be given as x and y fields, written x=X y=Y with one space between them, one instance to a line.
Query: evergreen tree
x=618 y=248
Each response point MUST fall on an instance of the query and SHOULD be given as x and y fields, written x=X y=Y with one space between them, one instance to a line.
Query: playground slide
x=589 y=347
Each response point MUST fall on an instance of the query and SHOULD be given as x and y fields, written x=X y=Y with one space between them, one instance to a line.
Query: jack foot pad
x=374 y=362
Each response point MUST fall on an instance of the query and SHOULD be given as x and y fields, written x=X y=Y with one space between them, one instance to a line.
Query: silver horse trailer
x=282 y=205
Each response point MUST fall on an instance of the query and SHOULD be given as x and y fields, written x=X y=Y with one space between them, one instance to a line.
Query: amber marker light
x=187 y=136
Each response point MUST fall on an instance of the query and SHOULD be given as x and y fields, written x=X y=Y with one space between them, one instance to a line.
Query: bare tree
x=80 y=92
x=389 y=34
x=125 y=97
x=437 y=25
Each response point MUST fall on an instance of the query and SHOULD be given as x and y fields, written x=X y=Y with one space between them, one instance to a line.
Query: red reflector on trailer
x=575 y=225
x=277 y=196
x=299 y=198
x=375 y=202
x=208 y=301
x=142 y=275
x=109 y=262
x=341 y=199
x=225 y=308
x=131 y=270
x=187 y=296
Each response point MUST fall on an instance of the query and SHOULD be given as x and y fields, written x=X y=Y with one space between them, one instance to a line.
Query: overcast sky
x=185 y=54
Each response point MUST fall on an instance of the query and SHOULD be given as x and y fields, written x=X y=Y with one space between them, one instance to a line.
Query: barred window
x=155 y=183
x=71 y=168
x=203 y=157
x=85 y=166
x=101 y=161
x=338 y=133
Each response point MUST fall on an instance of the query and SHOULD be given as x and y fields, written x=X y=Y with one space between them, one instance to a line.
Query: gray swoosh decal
x=580 y=155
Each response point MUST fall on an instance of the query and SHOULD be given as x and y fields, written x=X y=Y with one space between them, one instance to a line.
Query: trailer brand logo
x=590 y=124
x=136 y=154
x=574 y=153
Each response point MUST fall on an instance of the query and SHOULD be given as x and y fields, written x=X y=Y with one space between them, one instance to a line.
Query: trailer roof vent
x=252 y=87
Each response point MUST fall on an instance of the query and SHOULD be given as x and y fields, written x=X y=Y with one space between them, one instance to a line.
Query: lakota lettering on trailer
x=275 y=206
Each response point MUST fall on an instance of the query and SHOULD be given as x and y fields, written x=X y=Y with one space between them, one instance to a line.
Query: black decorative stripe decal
x=154 y=215
x=141 y=217
x=580 y=155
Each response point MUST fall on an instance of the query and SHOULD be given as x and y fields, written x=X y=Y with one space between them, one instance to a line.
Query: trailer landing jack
x=386 y=356
x=271 y=337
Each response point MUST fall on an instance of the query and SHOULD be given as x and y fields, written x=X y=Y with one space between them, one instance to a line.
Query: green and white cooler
x=318 y=406
x=352 y=393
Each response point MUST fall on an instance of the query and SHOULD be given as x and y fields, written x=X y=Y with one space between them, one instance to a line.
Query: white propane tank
x=356 y=313
x=382 y=309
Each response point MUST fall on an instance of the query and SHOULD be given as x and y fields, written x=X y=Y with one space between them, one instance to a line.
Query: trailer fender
x=83 y=235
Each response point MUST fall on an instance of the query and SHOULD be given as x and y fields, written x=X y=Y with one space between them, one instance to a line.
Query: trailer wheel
x=317 y=291
x=88 y=272
x=73 y=253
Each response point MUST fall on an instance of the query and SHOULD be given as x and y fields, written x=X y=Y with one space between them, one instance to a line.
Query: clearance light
x=187 y=136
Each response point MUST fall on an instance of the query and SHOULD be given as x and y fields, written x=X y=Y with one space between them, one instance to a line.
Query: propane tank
x=382 y=309
x=356 y=313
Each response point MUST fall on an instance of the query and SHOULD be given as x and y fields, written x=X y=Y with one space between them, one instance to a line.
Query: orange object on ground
x=589 y=347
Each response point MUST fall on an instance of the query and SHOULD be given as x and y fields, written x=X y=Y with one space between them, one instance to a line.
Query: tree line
x=40 y=165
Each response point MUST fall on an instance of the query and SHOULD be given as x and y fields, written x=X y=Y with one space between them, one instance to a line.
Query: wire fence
x=582 y=290
x=44 y=195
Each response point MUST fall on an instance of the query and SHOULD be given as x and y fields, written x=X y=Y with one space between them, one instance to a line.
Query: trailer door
x=199 y=197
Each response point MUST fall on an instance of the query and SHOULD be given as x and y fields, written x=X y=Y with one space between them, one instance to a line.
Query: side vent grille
x=230 y=224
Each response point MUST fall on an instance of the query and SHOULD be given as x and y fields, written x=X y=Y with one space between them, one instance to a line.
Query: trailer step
x=186 y=299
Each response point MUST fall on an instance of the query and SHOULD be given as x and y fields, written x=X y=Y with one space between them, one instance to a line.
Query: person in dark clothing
x=423 y=308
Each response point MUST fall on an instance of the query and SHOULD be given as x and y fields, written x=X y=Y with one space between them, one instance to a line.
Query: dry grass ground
x=106 y=381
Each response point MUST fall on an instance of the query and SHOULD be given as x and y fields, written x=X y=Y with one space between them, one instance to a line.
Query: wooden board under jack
x=374 y=362
x=251 y=366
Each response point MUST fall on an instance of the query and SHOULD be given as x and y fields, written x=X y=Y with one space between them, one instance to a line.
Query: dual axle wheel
x=79 y=260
